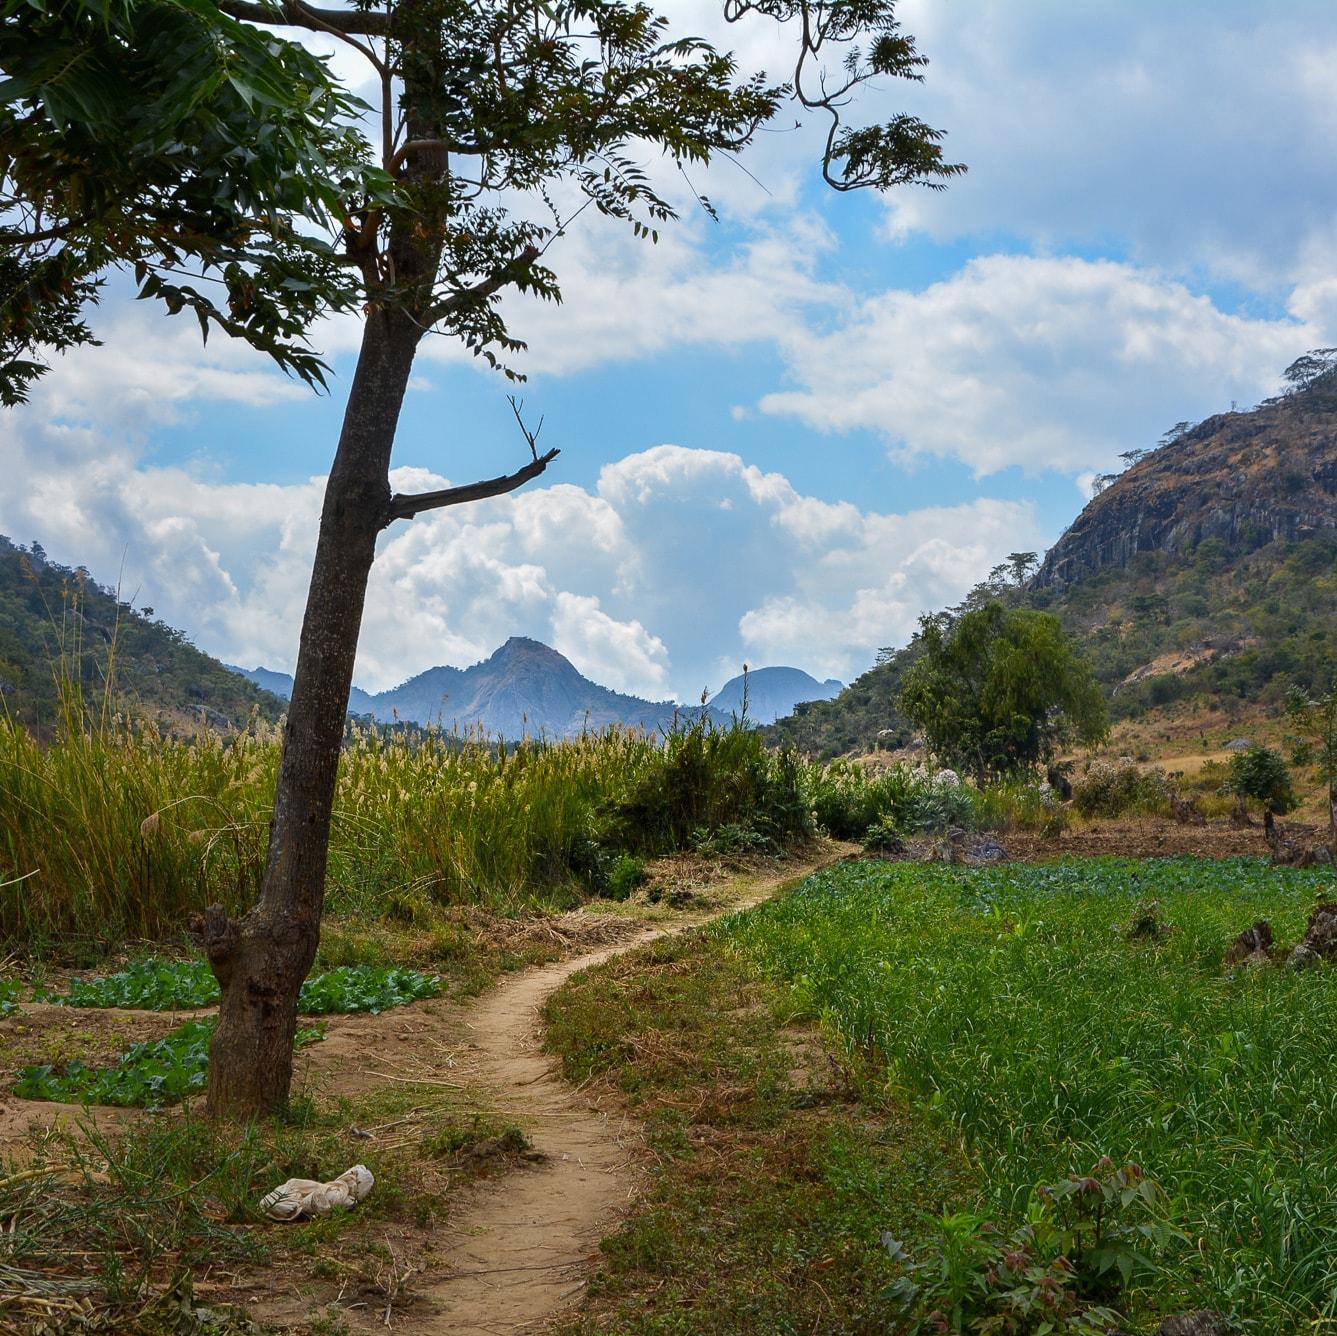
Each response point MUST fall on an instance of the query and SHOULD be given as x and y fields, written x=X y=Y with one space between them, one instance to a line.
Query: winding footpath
x=522 y=1246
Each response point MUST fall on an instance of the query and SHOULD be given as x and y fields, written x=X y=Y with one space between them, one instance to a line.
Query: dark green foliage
x=168 y=137
x=625 y=875
x=998 y=690
x=708 y=778
x=1260 y=774
x=56 y=622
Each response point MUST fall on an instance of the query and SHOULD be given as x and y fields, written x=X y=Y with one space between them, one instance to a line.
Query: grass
x=113 y=831
x=1006 y=1009
x=126 y=1221
x=773 y=1172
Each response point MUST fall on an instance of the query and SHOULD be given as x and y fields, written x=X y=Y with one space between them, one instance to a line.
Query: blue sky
x=786 y=434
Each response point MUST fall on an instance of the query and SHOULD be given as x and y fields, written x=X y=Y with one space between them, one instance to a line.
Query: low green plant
x=1083 y=1241
x=147 y=1075
x=626 y=873
x=9 y=996
x=731 y=839
x=883 y=837
x=371 y=988
x=155 y=984
x=150 y=984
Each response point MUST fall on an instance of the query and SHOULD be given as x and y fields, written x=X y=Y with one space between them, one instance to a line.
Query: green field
x=1007 y=1008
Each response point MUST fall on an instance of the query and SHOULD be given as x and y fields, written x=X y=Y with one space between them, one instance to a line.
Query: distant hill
x=771 y=693
x=1205 y=574
x=524 y=689
x=51 y=616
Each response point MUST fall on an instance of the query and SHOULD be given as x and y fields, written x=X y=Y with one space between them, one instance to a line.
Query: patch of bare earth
x=1149 y=837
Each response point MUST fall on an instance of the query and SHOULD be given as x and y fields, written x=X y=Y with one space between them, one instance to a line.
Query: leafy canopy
x=163 y=135
x=236 y=177
x=999 y=690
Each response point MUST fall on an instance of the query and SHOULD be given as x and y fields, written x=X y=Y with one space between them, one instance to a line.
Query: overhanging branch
x=294 y=14
x=404 y=506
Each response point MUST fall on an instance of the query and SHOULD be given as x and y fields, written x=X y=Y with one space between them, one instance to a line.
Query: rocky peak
x=1245 y=479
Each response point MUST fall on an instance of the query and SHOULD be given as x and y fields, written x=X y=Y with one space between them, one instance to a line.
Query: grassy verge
x=774 y=1170
x=161 y=1218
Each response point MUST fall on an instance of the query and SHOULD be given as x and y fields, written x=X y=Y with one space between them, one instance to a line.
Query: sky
x=786 y=434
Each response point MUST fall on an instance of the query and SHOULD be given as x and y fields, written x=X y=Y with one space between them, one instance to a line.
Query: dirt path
x=520 y=1246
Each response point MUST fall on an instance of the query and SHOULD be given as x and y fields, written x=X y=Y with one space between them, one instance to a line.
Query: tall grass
x=112 y=829
x=1008 y=1005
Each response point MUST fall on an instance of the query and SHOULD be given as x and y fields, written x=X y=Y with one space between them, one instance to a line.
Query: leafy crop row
x=1007 y=1005
x=147 y=1075
x=155 y=984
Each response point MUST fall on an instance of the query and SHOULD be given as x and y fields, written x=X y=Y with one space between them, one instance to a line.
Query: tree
x=1315 y=719
x=249 y=169
x=997 y=691
x=1260 y=774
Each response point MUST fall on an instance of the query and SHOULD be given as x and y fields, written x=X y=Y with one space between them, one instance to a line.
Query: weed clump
x=1084 y=1240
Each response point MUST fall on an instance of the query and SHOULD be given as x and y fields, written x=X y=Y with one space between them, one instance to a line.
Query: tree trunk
x=262 y=958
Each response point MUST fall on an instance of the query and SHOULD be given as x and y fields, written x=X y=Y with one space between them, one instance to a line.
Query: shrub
x=1110 y=788
x=1020 y=805
x=849 y=800
x=624 y=876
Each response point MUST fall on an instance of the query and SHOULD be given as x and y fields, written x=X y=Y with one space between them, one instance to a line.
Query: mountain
x=280 y=684
x=1203 y=579
x=771 y=693
x=56 y=620
x=524 y=689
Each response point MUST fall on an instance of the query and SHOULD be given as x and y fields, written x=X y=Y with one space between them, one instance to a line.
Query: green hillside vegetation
x=59 y=623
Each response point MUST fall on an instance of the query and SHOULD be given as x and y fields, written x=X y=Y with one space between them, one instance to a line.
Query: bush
x=1020 y=805
x=1117 y=788
x=706 y=779
x=848 y=800
x=624 y=876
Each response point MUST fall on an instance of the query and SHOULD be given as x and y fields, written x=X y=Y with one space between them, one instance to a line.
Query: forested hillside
x=58 y=622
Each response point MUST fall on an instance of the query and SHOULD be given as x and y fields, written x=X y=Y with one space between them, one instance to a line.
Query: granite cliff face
x=1245 y=479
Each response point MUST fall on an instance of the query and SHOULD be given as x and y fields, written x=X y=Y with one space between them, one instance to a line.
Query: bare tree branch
x=406 y=506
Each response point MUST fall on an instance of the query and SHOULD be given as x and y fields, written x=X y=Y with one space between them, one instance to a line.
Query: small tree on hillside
x=1260 y=775
x=1315 y=719
x=189 y=141
x=999 y=690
